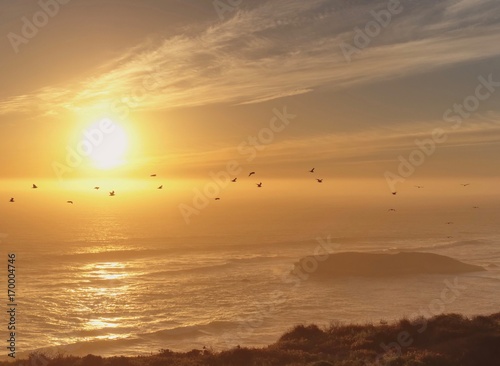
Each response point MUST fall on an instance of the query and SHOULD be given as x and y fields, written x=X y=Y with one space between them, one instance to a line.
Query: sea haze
x=124 y=279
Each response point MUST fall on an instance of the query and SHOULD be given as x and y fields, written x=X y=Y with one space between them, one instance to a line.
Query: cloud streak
x=275 y=50
x=366 y=152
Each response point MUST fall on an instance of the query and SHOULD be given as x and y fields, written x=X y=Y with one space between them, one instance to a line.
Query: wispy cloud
x=276 y=96
x=373 y=150
x=278 y=49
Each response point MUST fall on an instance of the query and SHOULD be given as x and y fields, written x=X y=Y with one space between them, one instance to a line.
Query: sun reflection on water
x=107 y=296
x=105 y=271
x=101 y=323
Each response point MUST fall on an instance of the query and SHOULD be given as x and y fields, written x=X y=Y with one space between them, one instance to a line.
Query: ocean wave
x=125 y=344
x=222 y=264
x=212 y=328
x=455 y=244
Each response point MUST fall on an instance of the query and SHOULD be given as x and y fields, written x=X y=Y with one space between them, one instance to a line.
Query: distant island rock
x=374 y=264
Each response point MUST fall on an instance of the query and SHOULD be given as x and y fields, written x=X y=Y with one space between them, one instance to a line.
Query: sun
x=107 y=144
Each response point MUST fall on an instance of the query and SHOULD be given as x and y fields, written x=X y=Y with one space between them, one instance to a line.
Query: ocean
x=122 y=280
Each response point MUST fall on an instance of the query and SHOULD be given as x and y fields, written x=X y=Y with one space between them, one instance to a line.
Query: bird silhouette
x=217 y=198
x=475 y=206
x=251 y=173
x=69 y=202
x=311 y=171
x=112 y=193
x=234 y=180
x=449 y=223
x=12 y=199
x=153 y=175
x=419 y=186
x=34 y=186
x=465 y=184
x=319 y=180
x=160 y=187
x=259 y=185
x=391 y=209
x=394 y=193
x=96 y=187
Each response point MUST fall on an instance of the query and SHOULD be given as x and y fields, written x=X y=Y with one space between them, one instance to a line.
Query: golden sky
x=275 y=86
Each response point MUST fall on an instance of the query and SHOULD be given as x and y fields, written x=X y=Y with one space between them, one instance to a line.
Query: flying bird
x=234 y=180
x=160 y=187
x=96 y=187
x=112 y=193
x=465 y=184
x=475 y=206
x=69 y=202
x=153 y=175
x=394 y=193
x=419 y=186
x=34 y=186
x=217 y=198
x=12 y=199
x=251 y=173
x=449 y=223
x=311 y=171
x=259 y=184
x=319 y=180
x=391 y=209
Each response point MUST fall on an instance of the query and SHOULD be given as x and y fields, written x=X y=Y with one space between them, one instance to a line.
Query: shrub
x=118 y=361
x=92 y=360
x=310 y=332
x=238 y=356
